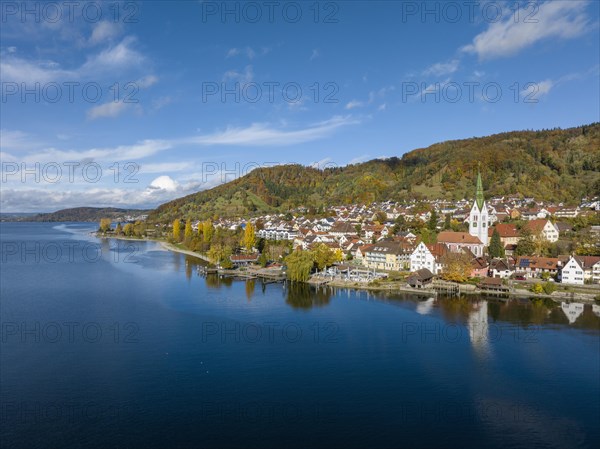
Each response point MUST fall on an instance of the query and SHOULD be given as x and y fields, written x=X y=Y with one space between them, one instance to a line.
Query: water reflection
x=425 y=307
x=572 y=310
x=304 y=296
x=478 y=326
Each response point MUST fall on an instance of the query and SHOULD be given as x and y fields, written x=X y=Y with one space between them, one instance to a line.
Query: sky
x=132 y=104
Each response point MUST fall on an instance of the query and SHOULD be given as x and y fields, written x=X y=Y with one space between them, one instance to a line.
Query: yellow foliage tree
x=188 y=229
x=457 y=267
x=176 y=230
x=105 y=224
x=249 y=237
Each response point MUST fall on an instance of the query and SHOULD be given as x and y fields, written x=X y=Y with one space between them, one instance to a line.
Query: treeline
x=552 y=165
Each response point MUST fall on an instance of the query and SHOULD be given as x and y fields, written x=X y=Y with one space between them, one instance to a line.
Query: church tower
x=479 y=218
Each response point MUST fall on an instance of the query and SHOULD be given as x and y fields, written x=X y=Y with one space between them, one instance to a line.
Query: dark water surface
x=120 y=344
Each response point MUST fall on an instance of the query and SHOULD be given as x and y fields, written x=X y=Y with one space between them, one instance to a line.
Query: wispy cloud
x=108 y=110
x=243 y=77
x=105 y=31
x=263 y=134
x=354 y=104
x=554 y=19
x=442 y=68
x=315 y=54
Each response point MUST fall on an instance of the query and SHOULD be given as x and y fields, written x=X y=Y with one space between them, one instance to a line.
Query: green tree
x=176 y=230
x=448 y=222
x=526 y=245
x=299 y=265
x=433 y=219
x=496 y=248
x=119 y=229
x=262 y=260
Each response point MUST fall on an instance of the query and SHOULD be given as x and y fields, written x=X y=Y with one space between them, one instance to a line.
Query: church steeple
x=479 y=195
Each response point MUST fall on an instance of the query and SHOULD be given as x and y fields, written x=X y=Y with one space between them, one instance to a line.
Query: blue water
x=120 y=344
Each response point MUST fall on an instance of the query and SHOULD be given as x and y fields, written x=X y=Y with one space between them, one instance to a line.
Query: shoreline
x=558 y=297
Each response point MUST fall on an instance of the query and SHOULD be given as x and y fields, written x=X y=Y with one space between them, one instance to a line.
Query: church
x=479 y=217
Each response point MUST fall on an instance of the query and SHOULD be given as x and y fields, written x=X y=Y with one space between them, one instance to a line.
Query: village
x=490 y=244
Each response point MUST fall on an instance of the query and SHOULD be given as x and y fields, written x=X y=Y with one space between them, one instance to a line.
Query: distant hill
x=553 y=165
x=90 y=214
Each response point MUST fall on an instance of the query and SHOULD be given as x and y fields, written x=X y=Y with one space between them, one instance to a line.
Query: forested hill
x=552 y=165
x=85 y=214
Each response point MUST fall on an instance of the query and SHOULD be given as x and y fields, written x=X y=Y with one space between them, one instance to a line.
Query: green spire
x=479 y=195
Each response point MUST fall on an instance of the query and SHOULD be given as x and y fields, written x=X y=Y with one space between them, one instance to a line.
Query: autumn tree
x=105 y=224
x=119 y=229
x=457 y=267
x=176 y=230
x=249 y=237
x=496 y=248
x=323 y=256
x=188 y=230
x=128 y=229
x=207 y=231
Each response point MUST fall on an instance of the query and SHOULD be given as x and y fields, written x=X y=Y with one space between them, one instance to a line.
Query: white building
x=572 y=273
x=479 y=216
x=421 y=257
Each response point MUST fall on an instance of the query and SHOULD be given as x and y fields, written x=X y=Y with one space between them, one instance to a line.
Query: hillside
x=80 y=214
x=552 y=165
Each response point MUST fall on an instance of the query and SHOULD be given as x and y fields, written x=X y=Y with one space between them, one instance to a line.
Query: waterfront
x=112 y=343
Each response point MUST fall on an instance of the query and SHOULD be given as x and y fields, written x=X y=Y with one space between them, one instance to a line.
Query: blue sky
x=128 y=108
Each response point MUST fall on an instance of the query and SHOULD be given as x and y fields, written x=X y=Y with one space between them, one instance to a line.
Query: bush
x=537 y=288
x=549 y=288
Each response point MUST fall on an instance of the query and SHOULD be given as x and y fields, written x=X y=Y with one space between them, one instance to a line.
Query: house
x=428 y=257
x=388 y=256
x=543 y=229
x=420 y=278
x=458 y=241
x=509 y=235
x=572 y=272
x=532 y=267
x=240 y=260
x=494 y=285
x=501 y=268
x=479 y=267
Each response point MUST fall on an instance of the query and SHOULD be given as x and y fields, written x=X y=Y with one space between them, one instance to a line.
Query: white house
x=572 y=272
x=422 y=257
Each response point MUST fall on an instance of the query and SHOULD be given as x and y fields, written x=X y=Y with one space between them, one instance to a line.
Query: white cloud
x=262 y=134
x=248 y=51
x=104 y=31
x=243 y=77
x=315 y=54
x=354 y=104
x=108 y=110
x=147 y=81
x=442 y=68
x=165 y=183
x=554 y=19
x=382 y=107
x=538 y=89
x=111 y=60
x=117 y=57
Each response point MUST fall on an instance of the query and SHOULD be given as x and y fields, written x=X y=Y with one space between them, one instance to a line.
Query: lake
x=109 y=343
